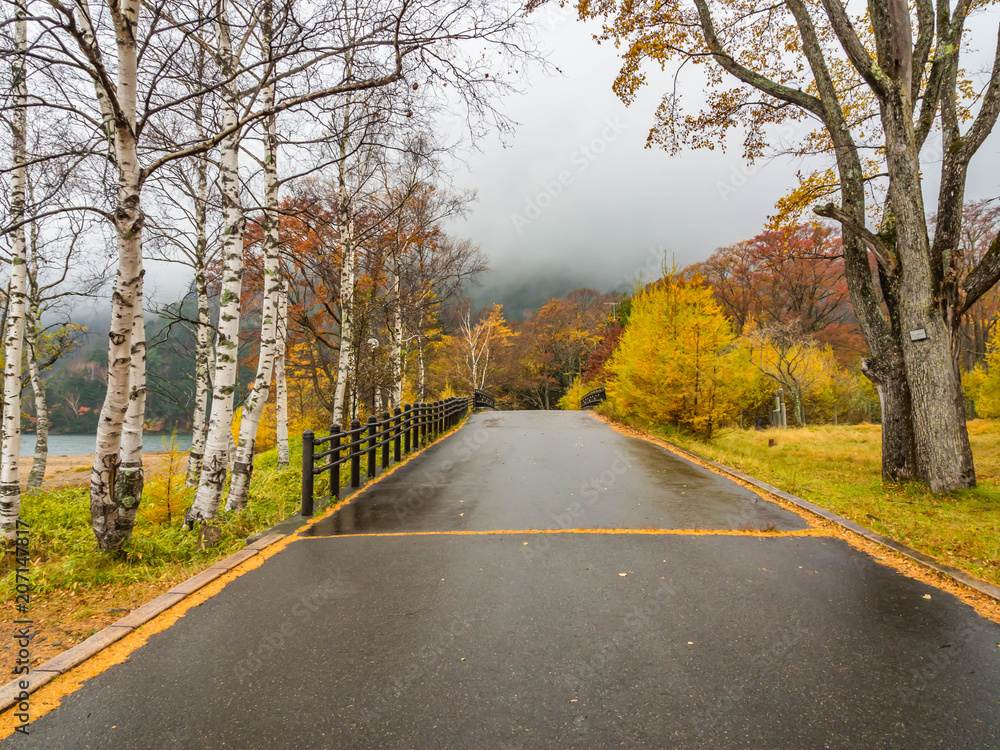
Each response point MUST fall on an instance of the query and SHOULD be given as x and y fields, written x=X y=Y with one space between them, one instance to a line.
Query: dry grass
x=839 y=468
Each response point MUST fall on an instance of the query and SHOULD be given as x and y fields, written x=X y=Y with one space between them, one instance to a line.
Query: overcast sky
x=575 y=193
x=624 y=206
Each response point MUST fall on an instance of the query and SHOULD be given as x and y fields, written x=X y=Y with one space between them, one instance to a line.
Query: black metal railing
x=404 y=431
x=483 y=400
x=593 y=398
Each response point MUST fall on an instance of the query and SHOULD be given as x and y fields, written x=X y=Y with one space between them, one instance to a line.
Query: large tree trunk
x=10 y=478
x=882 y=336
x=239 y=488
x=105 y=509
x=203 y=340
x=280 y=384
x=213 y=474
x=944 y=455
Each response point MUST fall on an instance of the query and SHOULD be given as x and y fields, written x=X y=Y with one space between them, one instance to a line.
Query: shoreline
x=73 y=469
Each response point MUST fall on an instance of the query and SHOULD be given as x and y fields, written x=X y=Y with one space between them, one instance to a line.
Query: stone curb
x=41 y=675
x=987 y=589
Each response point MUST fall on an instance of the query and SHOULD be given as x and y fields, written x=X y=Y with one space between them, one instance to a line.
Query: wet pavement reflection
x=549 y=470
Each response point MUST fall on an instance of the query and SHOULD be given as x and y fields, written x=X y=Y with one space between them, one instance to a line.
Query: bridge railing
x=483 y=400
x=404 y=431
x=592 y=399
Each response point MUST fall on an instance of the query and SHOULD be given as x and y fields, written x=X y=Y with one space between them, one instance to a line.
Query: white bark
x=129 y=481
x=397 y=346
x=345 y=360
x=213 y=473
x=38 y=387
x=120 y=129
x=239 y=488
x=280 y=385
x=41 y=415
x=203 y=341
x=10 y=478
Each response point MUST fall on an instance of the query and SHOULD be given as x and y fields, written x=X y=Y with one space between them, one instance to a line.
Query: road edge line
x=959 y=576
x=68 y=660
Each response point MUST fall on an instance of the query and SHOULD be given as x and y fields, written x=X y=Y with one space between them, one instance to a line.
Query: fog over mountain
x=574 y=198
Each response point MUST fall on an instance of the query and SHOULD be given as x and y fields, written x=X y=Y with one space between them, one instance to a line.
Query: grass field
x=839 y=468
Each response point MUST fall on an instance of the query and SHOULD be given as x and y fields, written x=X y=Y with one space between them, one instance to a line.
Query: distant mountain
x=523 y=294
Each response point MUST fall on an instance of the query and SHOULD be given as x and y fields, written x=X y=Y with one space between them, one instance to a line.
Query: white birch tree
x=10 y=478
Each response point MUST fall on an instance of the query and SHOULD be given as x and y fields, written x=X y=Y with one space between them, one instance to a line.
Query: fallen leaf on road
x=927 y=596
x=623 y=574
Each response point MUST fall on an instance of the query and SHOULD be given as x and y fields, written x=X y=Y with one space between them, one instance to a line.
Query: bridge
x=541 y=580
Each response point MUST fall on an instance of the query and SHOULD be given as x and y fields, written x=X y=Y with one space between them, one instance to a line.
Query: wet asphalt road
x=525 y=640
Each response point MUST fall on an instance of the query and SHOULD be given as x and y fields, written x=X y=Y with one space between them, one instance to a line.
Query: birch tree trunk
x=280 y=385
x=239 y=488
x=41 y=414
x=105 y=509
x=213 y=473
x=397 y=346
x=345 y=362
x=421 y=372
x=38 y=387
x=129 y=481
x=203 y=341
x=10 y=478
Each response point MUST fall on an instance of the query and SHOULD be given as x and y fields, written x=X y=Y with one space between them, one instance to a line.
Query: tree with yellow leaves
x=795 y=361
x=678 y=362
x=872 y=82
x=478 y=342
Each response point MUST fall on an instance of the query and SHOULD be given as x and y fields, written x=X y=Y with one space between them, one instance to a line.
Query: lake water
x=78 y=445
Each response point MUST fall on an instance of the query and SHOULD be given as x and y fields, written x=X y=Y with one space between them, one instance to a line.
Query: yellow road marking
x=983 y=605
x=661 y=532
x=48 y=697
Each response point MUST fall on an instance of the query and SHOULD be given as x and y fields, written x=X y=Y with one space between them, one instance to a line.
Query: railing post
x=355 y=436
x=384 y=439
x=422 y=419
x=407 y=427
x=437 y=418
x=372 y=439
x=334 y=466
x=307 y=473
x=397 y=421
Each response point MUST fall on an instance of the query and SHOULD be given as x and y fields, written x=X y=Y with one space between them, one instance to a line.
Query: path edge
x=11 y=693
x=960 y=576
